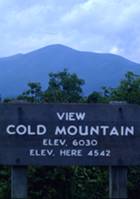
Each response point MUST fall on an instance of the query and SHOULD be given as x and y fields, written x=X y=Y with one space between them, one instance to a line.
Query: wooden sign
x=69 y=134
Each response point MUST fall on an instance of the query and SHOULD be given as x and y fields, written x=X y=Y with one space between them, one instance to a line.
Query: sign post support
x=117 y=182
x=19 y=182
x=117 y=177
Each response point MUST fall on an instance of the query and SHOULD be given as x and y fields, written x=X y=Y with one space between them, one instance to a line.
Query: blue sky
x=108 y=26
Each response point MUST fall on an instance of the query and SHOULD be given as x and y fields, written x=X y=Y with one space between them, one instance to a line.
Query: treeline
x=66 y=87
x=73 y=182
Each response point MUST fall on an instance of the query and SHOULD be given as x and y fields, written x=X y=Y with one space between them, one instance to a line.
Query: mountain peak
x=96 y=69
x=52 y=48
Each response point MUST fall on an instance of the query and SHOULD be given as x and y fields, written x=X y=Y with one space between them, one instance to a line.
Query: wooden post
x=19 y=182
x=19 y=173
x=117 y=182
x=118 y=175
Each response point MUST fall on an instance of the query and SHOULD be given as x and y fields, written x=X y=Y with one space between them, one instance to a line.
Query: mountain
x=96 y=69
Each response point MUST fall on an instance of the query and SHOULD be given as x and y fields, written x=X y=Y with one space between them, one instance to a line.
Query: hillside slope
x=96 y=69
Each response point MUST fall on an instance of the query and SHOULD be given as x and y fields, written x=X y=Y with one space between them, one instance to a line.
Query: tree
x=96 y=97
x=34 y=94
x=128 y=90
x=64 y=87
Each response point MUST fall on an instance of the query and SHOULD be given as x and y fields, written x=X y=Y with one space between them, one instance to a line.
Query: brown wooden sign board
x=69 y=134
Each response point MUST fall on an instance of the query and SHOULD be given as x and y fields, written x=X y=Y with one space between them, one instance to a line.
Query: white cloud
x=105 y=24
x=116 y=50
x=93 y=25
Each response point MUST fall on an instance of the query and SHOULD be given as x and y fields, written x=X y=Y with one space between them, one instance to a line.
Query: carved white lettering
x=71 y=116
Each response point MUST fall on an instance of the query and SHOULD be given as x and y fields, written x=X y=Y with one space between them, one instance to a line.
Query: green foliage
x=68 y=183
x=133 y=182
x=4 y=182
x=34 y=94
x=128 y=90
x=97 y=97
x=8 y=100
x=50 y=182
x=64 y=87
x=90 y=183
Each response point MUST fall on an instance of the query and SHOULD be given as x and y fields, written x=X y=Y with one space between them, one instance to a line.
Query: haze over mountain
x=96 y=69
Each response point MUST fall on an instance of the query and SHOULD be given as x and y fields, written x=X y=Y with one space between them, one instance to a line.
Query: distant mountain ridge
x=96 y=69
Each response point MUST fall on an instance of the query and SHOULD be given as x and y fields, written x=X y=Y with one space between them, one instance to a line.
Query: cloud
x=104 y=24
x=93 y=25
x=26 y=25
